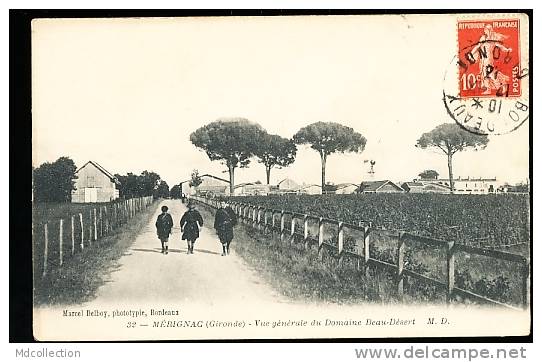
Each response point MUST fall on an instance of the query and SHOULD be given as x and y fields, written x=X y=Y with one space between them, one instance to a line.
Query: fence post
x=321 y=238
x=60 y=240
x=282 y=225
x=82 y=231
x=259 y=219
x=90 y=227
x=292 y=229
x=45 y=250
x=525 y=284
x=73 y=235
x=273 y=225
x=101 y=222
x=306 y=231
x=265 y=226
x=95 y=228
x=106 y=220
x=450 y=271
x=254 y=210
x=114 y=217
x=340 y=242
x=400 y=266
x=366 y=250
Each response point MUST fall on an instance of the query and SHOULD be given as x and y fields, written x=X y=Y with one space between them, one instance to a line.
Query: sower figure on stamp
x=191 y=223
x=225 y=220
x=491 y=78
x=164 y=223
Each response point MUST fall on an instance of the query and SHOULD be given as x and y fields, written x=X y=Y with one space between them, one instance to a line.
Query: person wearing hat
x=164 y=223
x=191 y=223
x=225 y=220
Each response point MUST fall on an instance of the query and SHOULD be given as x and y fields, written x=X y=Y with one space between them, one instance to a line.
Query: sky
x=127 y=93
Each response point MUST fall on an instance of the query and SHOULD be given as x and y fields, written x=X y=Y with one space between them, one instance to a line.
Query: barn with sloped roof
x=384 y=186
x=94 y=184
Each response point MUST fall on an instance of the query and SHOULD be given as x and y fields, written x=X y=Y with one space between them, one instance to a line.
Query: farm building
x=425 y=187
x=310 y=190
x=94 y=184
x=251 y=189
x=186 y=189
x=213 y=186
x=384 y=186
x=346 y=188
x=471 y=185
x=288 y=186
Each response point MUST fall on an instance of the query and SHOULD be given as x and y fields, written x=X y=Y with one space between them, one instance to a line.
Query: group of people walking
x=191 y=224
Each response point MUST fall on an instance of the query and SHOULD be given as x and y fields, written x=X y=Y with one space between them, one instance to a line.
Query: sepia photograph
x=281 y=177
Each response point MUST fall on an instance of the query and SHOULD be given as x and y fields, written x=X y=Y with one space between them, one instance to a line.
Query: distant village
x=216 y=186
x=95 y=184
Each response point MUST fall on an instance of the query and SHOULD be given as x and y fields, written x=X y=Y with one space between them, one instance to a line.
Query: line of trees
x=235 y=141
x=148 y=183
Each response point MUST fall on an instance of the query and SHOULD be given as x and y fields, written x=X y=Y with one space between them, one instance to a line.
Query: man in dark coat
x=164 y=223
x=191 y=223
x=225 y=220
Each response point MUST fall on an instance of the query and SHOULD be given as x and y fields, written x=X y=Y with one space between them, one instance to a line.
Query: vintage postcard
x=341 y=176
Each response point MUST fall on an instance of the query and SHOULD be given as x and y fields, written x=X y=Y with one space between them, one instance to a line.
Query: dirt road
x=204 y=277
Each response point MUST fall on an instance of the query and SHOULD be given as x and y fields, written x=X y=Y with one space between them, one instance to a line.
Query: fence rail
x=257 y=217
x=101 y=221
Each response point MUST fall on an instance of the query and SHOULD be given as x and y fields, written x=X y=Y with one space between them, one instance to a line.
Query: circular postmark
x=485 y=86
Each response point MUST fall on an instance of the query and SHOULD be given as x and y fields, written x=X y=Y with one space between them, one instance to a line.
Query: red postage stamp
x=489 y=58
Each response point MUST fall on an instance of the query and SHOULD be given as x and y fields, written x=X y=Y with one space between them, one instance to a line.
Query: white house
x=346 y=188
x=310 y=189
x=213 y=186
x=94 y=184
x=429 y=186
x=472 y=185
x=252 y=189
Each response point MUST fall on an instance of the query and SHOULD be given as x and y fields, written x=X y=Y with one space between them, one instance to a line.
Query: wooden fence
x=274 y=220
x=84 y=231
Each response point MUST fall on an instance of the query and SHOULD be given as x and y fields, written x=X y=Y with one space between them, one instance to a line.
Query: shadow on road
x=149 y=250
x=205 y=251
x=159 y=251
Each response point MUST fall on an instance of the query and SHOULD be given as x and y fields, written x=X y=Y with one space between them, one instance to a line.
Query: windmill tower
x=371 y=171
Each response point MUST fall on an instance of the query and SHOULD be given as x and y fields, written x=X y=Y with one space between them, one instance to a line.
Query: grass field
x=84 y=272
x=89 y=222
x=50 y=214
